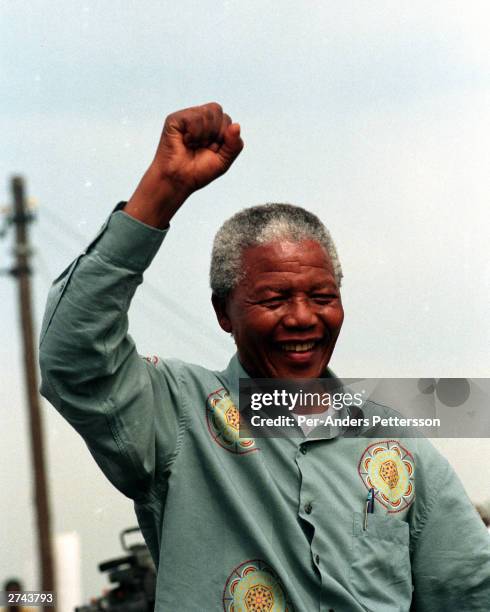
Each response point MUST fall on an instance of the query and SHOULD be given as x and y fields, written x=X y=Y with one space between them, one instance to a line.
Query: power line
x=184 y=334
x=66 y=227
x=175 y=307
x=43 y=268
x=47 y=277
x=185 y=315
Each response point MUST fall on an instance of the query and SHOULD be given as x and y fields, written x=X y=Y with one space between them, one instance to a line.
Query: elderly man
x=236 y=523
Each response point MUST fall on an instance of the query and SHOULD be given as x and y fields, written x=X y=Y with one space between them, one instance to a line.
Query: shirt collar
x=231 y=377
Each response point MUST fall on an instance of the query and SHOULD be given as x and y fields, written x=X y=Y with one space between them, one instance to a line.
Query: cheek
x=340 y=315
x=259 y=324
x=334 y=317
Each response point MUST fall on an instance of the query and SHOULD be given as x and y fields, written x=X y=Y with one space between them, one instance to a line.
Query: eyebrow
x=285 y=287
x=325 y=285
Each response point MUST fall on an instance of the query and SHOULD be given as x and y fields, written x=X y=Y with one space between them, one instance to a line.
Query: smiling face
x=286 y=313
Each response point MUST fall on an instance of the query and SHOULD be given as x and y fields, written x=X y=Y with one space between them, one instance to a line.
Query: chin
x=304 y=371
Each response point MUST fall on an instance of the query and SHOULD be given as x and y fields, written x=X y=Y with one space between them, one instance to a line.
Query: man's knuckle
x=197 y=122
x=215 y=106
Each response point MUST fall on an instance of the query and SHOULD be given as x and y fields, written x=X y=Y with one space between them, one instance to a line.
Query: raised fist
x=197 y=145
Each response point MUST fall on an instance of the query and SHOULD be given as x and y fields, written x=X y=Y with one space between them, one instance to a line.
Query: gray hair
x=261 y=225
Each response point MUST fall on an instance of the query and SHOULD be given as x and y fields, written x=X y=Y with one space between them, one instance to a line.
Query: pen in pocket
x=368 y=507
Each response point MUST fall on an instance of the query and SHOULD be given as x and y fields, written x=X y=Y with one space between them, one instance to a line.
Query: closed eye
x=324 y=298
x=273 y=302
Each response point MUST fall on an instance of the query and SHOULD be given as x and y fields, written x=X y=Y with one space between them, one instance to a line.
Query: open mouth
x=302 y=351
x=298 y=347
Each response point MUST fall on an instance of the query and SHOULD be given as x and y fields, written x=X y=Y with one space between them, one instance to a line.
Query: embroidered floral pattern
x=223 y=421
x=254 y=586
x=389 y=469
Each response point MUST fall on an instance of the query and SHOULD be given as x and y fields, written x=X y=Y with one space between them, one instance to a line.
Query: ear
x=219 y=305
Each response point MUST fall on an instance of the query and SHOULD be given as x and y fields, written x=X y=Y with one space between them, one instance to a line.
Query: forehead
x=286 y=258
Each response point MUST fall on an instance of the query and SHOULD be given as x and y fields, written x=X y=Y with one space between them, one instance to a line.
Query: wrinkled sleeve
x=451 y=556
x=127 y=409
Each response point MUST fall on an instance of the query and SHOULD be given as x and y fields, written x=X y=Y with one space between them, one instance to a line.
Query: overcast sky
x=376 y=116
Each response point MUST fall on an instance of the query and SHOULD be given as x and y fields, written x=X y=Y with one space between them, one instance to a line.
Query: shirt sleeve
x=127 y=409
x=451 y=556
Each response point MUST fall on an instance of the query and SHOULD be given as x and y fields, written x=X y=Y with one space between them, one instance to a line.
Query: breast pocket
x=380 y=572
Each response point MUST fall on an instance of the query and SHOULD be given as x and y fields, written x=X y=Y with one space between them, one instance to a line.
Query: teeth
x=298 y=348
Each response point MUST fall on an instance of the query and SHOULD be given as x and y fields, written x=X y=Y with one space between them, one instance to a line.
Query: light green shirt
x=270 y=524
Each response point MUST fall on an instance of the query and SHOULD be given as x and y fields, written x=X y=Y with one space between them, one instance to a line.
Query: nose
x=300 y=314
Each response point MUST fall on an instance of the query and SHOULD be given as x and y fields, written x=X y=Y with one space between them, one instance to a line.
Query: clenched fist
x=197 y=145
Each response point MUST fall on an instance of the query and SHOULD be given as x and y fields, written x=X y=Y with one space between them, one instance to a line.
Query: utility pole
x=22 y=271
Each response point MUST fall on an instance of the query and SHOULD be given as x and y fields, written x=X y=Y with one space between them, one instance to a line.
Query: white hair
x=259 y=225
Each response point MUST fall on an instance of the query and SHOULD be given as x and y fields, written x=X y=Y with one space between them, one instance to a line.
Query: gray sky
x=376 y=116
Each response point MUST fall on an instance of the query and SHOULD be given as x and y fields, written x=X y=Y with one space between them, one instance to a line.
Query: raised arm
x=126 y=408
x=198 y=145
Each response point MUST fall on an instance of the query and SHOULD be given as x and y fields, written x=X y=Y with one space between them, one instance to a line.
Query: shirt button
x=303 y=449
x=317 y=559
x=308 y=508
